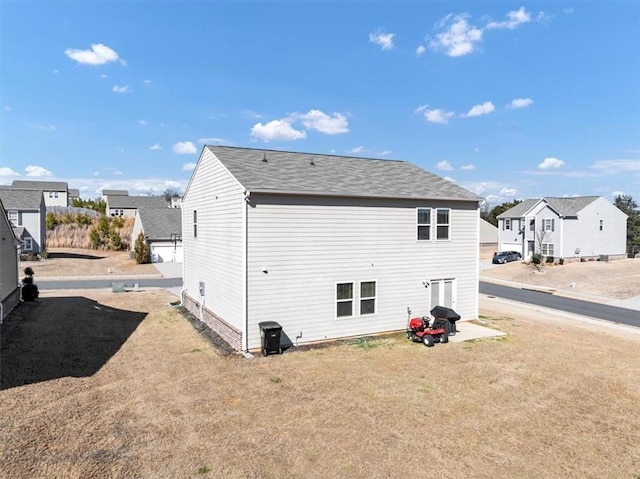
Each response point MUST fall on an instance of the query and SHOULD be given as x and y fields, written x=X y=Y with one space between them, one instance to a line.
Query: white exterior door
x=443 y=293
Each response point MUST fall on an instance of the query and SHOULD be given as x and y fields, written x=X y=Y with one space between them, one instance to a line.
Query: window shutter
x=553 y=224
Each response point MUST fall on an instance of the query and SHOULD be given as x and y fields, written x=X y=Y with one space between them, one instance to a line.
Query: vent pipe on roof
x=311 y=162
x=264 y=158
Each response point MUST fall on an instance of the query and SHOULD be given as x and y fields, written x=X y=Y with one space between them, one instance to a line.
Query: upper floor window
x=442 y=224
x=601 y=226
x=195 y=223
x=532 y=225
x=547 y=224
x=14 y=218
x=507 y=224
x=424 y=224
x=28 y=244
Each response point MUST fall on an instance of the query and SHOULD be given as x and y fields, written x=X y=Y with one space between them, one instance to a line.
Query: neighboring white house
x=327 y=246
x=488 y=233
x=577 y=227
x=162 y=228
x=27 y=213
x=127 y=206
x=73 y=194
x=55 y=193
x=9 y=274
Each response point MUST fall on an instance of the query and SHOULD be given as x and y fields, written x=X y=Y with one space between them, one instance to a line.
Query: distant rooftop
x=41 y=185
x=136 y=202
x=115 y=193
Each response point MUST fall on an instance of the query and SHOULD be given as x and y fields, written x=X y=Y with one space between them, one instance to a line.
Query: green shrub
x=115 y=241
x=117 y=222
x=52 y=221
x=94 y=238
x=103 y=226
x=561 y=261
x=83 y=219
x=536 y=258
x=141 y=249
x=550 y=259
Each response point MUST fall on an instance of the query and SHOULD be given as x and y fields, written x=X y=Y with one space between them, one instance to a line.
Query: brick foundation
x=227 y=332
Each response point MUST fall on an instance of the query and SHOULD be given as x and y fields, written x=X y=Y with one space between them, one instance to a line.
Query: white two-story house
x=27 y=213
x=568 y=228
x=327 y=246
x=55 y=193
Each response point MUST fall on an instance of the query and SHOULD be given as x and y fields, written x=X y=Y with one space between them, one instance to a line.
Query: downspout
x=245 y=273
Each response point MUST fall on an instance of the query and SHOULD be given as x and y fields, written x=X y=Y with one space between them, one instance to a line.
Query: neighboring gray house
x=27 y=213
x=488 y=233
x=328 y=246
x=577 y=227
x=73 y=194
x=127 y=206
x=106 y=193
x=55 y=193
x=162 y=228
x=9 y=274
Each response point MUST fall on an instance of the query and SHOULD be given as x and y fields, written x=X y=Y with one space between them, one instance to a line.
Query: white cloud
x=276 y=130
x=468 y=167
x=98 y=54
x=520 y=103
x=514 y=19
x=320 y=121
x=155 y=147
x=384 y=153
x=142 y=122
x=449 y=179
x=121 y=89
x=55 y=72
x=213 y=141
x=444 y=165
x=147 y=82
x=551 y=164
x=481 y=109
x=8 y=109
x=616 y=166
x=508 y=192
x=249 y=113
x=33 y=170
x=357 y=149
x=434 y=116
x=385 y=40
x=184 y=148
x=188 y=166
x=104 y=76
x=420 y=50
x=459 y=37
x=6 y=171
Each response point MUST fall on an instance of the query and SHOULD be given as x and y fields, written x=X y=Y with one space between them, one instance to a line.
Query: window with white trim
x=507 y=224
x=344 y=300
x=547 y=224
x=532 y=225
x=367 y=297
x=14 y=218
x=442 y=224
x=28 y=244
x=548 y=249
x=424 y=224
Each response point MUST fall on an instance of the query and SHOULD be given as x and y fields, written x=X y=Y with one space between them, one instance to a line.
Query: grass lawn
x=123 y=386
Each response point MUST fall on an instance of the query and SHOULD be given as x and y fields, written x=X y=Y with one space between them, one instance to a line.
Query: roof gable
x=285 y=172
x=569 y=206
x=18 y=199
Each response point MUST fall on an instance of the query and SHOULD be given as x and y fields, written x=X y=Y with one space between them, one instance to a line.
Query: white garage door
x=161 y=253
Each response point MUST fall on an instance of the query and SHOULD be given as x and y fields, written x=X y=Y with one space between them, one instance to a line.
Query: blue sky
x=509 y=100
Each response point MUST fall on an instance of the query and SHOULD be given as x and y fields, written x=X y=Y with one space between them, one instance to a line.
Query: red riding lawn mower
x=443 y=326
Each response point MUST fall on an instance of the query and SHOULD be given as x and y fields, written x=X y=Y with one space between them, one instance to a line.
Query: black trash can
x=270 y=335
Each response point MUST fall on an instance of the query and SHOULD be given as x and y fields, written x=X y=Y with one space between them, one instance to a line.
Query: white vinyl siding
x=215 y=257
x=309 y=245
x=9 y=260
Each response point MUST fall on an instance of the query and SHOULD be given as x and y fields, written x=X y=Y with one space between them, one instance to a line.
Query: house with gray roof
x=569 y=228
x=9 y=274
x=162 y=230
x=56 y=193
x=106 y=193
x=127 y=206
x=327 y=246
x=27 y=213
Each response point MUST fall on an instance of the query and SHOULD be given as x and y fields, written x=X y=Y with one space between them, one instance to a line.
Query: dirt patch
x=553 y=398
x=87 y=262
x=616 y=279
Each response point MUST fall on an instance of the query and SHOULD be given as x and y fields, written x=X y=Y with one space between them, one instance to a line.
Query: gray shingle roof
x=74 y=192
x=115 y=193
x=41 y=185
x=136 y=202
x=161 y=223
x=314 y=174
x=569 y=206
x=18 y=199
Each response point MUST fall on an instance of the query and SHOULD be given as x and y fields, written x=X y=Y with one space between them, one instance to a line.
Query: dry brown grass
x=77 y=236
x=552 y=399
